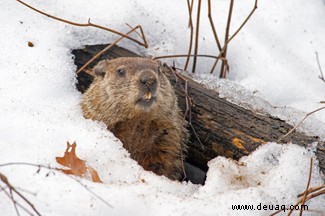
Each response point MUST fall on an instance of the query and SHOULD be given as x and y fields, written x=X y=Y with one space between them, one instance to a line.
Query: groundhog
x=136 y=101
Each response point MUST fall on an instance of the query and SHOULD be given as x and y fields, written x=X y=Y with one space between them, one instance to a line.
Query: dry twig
x=307 y=187
x=228 y=40
x=187 y=112
x=224 y=65
x=12 y=189
x=191 y=33
x=188 y=101
x=197 y=35
x=89 y=24
x=186 y=55
x=55 y=170
x=110 y=46
x=222 y=50
x=295 y=127
x=320 y=68
x=213 y=26
x=308 y=194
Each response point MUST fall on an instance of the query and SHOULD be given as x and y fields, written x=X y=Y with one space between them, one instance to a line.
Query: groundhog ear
x=100 y=68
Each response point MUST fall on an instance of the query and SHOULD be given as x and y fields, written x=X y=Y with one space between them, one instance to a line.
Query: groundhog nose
x=148 y=80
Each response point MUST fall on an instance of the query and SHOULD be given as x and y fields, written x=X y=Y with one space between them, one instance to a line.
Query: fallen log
x=219 y=128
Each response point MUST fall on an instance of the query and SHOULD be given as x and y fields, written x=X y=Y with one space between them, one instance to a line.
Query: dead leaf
x=76 y=166
x=94 y=175
x=70 y=159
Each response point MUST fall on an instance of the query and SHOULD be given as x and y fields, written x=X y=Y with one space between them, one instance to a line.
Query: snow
x=273 y=70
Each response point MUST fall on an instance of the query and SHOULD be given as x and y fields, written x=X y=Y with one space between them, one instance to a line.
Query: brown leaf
x=94 y=175
x=76 y=165
x=70 y=159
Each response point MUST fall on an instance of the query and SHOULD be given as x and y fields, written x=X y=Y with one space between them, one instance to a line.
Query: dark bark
x=222 y=128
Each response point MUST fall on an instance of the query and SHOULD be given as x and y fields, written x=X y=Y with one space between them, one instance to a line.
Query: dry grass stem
x=307 y=187
x=188 y=101
x=295 y=127
x=196 y=48
x=224 y=53
x=12 y=189
x=107 y=48
x=213 y=26
x=186 y=55
x=312 y=190
x=320 y=68
x=189 y=7
x=245 y=21
x=228 y=40
x=308 y=194
x=89 y=24
x=56 y=170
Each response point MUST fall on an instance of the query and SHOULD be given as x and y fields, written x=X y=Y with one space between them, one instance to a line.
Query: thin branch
x=295 y=127
x=89 y=24
x=185 y=55
x=307 y=187
x=312 y=190
x=134 y=31
x=244 y=23
x=57 y=170
x=224 y=53
x=320 y=68
x=18 y=204
x=14 y=202
x=188 y=111
x=107 y=48
x=213 y=26
x=196 y=48
x=236 y=32
x=321 y=192
x=4 y=179
x=308 y=194
x=189 y=7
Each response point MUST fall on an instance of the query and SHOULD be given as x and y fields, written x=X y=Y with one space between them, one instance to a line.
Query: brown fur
x=153 y=131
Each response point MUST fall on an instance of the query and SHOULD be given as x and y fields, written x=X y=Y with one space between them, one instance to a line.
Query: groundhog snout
x=148 y=81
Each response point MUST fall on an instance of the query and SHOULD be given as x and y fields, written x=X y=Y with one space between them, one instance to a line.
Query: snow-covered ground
x=273 y=69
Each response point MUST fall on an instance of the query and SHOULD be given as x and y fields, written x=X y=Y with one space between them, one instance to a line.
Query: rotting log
x=222 y=128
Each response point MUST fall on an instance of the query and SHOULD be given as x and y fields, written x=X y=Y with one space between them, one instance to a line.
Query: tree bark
x=218 y=127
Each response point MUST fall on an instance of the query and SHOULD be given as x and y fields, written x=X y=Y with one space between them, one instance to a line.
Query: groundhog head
x=134 y=82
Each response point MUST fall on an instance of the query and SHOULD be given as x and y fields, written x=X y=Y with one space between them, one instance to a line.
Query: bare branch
x=18 y=204
x=224 y=53
x=242 y=25
x=190 y=6
x=308 y=194
x=212 y=26
x=307 y=187
x=197 y=35
x=320 y=68
x=107 y=48
x=186 y=55
x=227 y=42
x=57 y=170
x=4 y=179
x=295 y=127
x=191 y=33
x=312 y=190
x=89 y=24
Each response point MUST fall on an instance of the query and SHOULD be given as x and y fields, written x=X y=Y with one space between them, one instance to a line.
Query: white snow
x=273 y=70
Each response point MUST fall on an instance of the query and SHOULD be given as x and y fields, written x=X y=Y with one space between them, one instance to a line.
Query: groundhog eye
x=121 y=72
